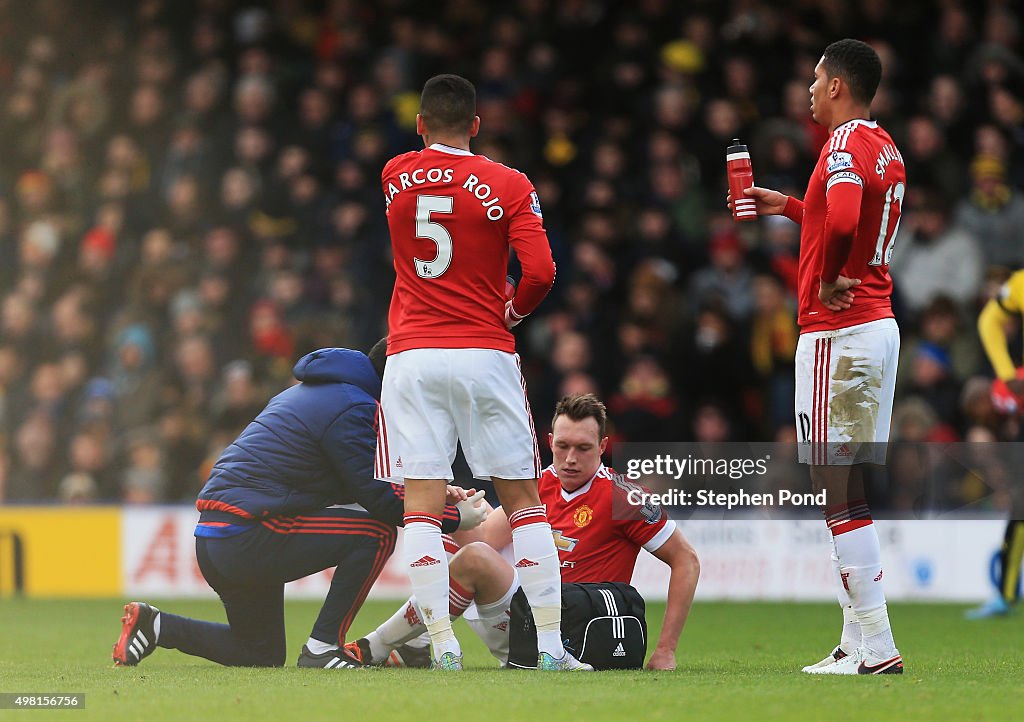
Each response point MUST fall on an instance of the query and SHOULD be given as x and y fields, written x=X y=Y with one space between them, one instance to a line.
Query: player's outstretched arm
x=350 y=445
x=992 y=322
x=1008 y=386
x=685 y=570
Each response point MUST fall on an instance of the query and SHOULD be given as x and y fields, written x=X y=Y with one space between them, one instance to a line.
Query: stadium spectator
x=934 y=257
x=773 y=334
x=993 y=212
x=727 y=281
x=124 y=164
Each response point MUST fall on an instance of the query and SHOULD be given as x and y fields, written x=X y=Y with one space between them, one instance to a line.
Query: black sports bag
x=603 y=624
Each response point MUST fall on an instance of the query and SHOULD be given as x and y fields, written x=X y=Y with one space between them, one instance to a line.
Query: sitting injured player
x=594 y=545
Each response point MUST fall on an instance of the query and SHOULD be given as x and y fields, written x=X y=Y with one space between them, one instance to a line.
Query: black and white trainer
x=331 y=659
x=138 y=635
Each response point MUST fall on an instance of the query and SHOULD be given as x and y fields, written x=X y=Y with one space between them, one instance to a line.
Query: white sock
x=405 y=624
x=378 y=650
x=850 y=638
x=860 y=560
x=870 y=608
x=499 y=607
x=537 y=565
x=494 y=618
x=858 y=548
x=877 y=632
x=427 y=562
x=315 y=646
x=421 y=641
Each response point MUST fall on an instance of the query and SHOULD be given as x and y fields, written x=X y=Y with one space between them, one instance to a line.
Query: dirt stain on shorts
x=853 y=409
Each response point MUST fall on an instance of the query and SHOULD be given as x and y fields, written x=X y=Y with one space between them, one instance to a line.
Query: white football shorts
x=845 y=381
x=433 y=398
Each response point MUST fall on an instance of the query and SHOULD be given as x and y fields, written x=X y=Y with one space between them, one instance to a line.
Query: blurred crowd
x=189 y=201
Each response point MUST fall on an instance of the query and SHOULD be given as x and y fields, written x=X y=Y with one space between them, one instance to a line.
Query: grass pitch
x=737 y=661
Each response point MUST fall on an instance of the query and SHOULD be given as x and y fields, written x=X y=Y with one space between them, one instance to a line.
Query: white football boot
x=862 y=662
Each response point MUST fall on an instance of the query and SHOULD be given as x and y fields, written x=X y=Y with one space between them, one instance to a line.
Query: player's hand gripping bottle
x=741 y=177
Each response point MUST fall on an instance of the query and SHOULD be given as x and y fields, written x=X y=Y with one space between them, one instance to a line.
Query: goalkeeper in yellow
x=1008 y=396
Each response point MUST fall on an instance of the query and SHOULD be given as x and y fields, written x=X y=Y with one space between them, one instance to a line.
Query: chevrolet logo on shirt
x=564 y=543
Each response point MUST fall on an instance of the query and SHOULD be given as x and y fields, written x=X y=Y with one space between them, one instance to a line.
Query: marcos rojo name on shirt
x=482 y=191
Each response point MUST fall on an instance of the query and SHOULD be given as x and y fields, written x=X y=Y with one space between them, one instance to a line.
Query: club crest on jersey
x=838 y=160
x=582 y=516
x=535 y=204
x=563 y=543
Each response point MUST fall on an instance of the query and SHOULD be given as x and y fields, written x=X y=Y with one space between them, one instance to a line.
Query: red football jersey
x=861 y=153
x=452 y=217
x=594 y=546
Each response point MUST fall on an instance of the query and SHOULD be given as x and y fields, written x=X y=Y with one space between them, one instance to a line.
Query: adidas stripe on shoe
x=138 y=636
x=331 y=659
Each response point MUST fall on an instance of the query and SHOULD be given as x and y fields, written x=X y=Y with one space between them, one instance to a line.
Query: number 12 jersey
x=859 y=154
x=453 y=216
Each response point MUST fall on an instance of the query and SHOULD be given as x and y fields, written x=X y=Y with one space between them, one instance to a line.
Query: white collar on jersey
x=451 y=150
x=868 y=123
x=569 y=496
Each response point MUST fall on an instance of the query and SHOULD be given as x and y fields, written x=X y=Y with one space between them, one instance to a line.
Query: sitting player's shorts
x=433 y=398
x=845 y=381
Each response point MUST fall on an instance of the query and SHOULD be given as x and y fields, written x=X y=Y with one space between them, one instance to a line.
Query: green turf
x=737 y=661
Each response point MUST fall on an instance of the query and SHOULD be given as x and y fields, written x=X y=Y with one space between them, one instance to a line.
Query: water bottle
x=741 y=177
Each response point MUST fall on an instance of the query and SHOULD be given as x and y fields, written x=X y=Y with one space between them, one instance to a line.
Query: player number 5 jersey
x=452 y=216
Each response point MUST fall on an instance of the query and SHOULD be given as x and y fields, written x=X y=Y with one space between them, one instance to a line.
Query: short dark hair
x=448 y=102
x=582 y=406
x=857 y=64
x=378 y=356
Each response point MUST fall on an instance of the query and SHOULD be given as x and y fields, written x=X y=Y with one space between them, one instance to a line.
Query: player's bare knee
x=471 y=560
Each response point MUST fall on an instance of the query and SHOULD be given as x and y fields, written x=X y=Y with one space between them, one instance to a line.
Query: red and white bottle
x=741 y=177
